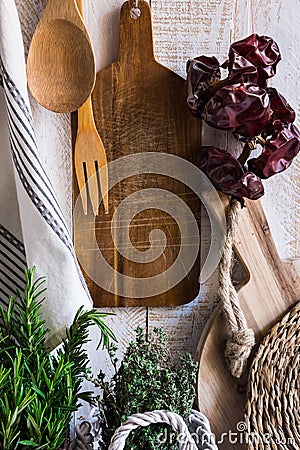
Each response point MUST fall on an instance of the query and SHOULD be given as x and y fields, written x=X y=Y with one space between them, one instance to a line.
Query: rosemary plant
x=146 y=380
x=40 y=391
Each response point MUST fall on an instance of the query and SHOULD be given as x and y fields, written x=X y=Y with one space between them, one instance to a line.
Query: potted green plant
x=39 y=391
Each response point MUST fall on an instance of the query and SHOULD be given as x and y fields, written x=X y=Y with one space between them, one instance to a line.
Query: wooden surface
x=269 y=289
x=140 y=107
x=182 y=29
x=61 y=63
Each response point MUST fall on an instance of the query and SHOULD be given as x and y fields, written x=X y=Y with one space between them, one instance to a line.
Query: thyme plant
x=39 y=391
x=146 y=380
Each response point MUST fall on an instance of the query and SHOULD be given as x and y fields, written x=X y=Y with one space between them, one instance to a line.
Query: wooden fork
x=90 y=156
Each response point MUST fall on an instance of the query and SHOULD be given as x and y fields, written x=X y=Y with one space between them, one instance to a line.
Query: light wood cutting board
x=269 y=289
x=140 y=107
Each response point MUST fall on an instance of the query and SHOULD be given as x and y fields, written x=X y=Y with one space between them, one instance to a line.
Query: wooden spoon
x=270 y=288
x=61 y=63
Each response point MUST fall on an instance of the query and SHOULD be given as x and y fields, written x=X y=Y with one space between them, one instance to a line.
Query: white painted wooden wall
x=183 y=29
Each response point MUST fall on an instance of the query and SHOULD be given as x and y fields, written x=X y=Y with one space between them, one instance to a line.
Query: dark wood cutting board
x=139 y=107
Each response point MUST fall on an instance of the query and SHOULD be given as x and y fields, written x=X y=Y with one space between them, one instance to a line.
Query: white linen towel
x=33 y=231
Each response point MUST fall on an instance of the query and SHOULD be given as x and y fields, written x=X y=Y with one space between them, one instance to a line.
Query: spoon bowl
x=61 y=63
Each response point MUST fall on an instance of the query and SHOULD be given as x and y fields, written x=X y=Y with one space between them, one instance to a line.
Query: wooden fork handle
x=86 y=119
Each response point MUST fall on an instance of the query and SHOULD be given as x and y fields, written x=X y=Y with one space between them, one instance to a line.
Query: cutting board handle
x=136 y=39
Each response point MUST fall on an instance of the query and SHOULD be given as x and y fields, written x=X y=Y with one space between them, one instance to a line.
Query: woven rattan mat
x=272 y=411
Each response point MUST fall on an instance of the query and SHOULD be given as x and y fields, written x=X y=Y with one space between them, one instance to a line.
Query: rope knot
x=238 y=349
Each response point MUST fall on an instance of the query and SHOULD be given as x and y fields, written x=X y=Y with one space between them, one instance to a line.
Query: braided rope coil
x=272 y=412
x=198 y=426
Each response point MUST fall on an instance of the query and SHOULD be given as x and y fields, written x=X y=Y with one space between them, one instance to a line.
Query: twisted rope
x=199 y=425
x=199 y=428
x=241 y=340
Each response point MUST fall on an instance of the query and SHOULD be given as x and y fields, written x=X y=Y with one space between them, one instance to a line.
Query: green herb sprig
x=146 y=380
x=39 y=391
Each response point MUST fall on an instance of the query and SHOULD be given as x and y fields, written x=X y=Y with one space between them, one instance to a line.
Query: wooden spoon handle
x=80 y=7
x=85 y=112
x=63 y=10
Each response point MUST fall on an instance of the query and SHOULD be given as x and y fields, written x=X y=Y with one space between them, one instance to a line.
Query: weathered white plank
x=102 y=21
x=280 y=20
x=187 y=28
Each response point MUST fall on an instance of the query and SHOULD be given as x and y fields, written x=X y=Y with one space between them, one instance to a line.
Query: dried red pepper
x=227 y=174
x=202 y=71
x=244 y=104
x=278 y=153
x=253 y=59
x=242 y=108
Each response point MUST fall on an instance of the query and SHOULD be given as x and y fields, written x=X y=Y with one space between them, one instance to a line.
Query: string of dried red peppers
x=245 y=105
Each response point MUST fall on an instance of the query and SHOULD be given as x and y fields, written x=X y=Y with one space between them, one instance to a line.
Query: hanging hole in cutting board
x=135 y=12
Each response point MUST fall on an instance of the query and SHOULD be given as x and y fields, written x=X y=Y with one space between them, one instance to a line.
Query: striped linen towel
x=33 y=231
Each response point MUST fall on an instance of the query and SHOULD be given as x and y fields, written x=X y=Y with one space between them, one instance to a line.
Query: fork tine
x=103 y=174
x=104 y=187
x=82 y=185
x=93 y=186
